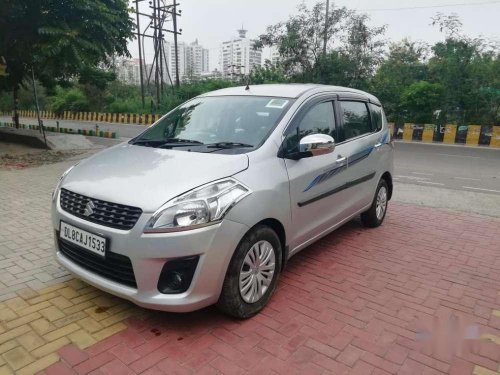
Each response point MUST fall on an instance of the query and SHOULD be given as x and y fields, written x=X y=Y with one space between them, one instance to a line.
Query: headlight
x=202 y=206
x=61 y=179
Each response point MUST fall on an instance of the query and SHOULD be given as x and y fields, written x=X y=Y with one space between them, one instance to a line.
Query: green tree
x=364 y=47
x=468 y=70
x=93 y=82
x=488 y=97
x=268 y=73
x=420 y=100
x=59 y=39
x=299 y=40
x=354 y=49
x=335 y=68
x=404 y=64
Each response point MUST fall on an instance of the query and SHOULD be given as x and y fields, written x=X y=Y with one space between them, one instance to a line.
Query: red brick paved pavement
x=420 y=295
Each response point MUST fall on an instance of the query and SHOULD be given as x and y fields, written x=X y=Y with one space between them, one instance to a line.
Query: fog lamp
x=177 y=274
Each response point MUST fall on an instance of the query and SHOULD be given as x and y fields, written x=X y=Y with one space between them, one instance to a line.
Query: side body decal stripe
x=347 y=185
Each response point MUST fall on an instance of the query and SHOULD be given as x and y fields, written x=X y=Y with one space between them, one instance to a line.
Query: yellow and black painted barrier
x=89 y=132
x=471 y=135
x=118 y=118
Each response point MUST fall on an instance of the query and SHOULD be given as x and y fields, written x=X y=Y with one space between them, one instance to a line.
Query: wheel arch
x=388 y=179
x=279 y=228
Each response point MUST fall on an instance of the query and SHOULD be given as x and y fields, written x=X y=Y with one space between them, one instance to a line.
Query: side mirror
x=316 y=144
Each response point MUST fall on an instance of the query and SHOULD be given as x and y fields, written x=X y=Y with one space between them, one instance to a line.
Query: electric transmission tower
x=159 y=14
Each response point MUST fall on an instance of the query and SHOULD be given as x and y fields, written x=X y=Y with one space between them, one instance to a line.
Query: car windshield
x=216 y=122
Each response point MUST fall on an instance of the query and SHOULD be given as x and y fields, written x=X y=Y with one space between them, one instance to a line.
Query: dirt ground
x=18 y=156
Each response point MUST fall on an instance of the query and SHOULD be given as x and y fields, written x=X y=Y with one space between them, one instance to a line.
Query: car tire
x=374 y=216
x=236 y=298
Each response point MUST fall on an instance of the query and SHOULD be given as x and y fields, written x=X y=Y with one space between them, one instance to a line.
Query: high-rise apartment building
x=196 y=60
x=205 y=61
x=238 y=56
x=181 y=58
x=193 y=60
x=193 y=63
x=274 y=55
x=128 y=71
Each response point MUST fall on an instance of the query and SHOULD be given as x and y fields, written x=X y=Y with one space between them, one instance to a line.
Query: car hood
x=147 y=177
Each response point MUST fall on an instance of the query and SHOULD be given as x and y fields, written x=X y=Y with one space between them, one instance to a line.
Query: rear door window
x=356 y=119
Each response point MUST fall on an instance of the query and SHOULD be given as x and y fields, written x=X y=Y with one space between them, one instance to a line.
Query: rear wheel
x=376 y=214
x=253 y=273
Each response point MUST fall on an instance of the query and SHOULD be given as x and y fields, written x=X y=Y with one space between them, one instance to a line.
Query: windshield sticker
x=263 y=114
x=277 y=103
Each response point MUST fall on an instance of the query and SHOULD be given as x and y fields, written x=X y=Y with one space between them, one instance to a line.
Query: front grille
x=114 y=266
x=109 y=214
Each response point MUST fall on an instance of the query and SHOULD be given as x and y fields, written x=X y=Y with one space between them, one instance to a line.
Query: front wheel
x=376 y=214
x=252 y=274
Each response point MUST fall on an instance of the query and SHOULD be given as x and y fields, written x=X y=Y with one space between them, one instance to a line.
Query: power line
x=429 y=6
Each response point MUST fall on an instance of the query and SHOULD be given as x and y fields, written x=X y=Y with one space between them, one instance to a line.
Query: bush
x=68 y=99
x=125 y=106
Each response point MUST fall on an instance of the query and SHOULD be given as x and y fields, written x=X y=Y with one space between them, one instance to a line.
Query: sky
x=214 y=21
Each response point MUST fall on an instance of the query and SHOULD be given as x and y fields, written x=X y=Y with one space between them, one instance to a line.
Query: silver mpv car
x=207 y=205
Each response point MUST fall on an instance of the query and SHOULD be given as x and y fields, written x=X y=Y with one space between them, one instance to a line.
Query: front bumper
x=148 y=254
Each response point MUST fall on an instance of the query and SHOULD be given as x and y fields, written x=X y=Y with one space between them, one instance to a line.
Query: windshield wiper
x=228 y=145
x=146 y=142
x=181 y=140
x=168 y=142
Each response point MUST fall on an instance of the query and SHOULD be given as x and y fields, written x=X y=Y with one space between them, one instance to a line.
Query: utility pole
x=325 y=36
x=141 y=74
x=160 y=45
x=155 y=43
x=174 y=19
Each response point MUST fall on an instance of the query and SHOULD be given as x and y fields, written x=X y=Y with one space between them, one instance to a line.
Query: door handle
x=377 y=145
x=341 y=159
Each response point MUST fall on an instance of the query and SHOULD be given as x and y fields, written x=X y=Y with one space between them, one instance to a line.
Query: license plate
x=82 y=238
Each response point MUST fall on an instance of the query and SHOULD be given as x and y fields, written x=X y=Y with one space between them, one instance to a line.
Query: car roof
x=290 y=90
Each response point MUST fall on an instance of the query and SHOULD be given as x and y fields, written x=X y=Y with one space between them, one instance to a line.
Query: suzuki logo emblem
x=89 y=208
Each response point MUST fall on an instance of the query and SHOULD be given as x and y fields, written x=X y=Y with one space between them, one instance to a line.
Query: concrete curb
x=54 y=129
x=55 y=141
x=118 y=118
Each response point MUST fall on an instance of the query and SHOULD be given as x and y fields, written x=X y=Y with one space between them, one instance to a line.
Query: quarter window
x=376 y=115
x=355 y=118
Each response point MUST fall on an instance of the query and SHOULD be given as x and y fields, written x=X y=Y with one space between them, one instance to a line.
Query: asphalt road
x=453 y=177
x=450 y=167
